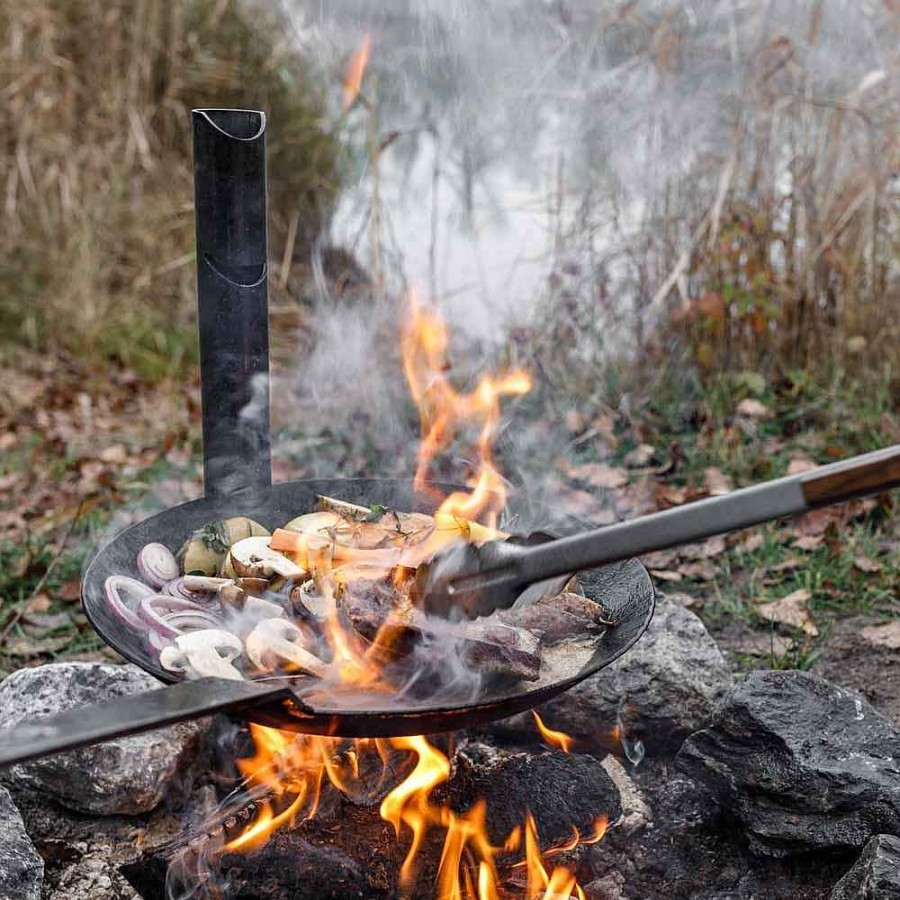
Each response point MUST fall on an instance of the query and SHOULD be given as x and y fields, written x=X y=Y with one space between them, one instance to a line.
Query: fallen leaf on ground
x=49 y=621
x=809 y=542
x=764 y=645
x=39 y=603
x=800 y=464
x=640 y=456
x=670 y=495
x=752 y=409
x=887 y=635
x=26 y=646
x=666 y=574
x=599 y=475
x=688 y=601
x=661 y=559
x=790 y=610
x=71 y=590
x=703 y=570
x=865 y=564
x=716 y=482
x=787 y=565
x=752 y=542
x=708 y=549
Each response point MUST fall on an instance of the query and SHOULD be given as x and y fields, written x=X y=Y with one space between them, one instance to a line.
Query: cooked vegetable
x=204 y=653
x=344 y=509
x=308 y=602
x=170 y=616
x=205 y=583
x=275 y=642
x=254 y=558
x=205 y=552
x=123 y=594
x=157 y=565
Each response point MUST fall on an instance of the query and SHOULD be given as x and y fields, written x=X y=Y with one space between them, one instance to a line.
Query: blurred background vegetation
x=97 y=237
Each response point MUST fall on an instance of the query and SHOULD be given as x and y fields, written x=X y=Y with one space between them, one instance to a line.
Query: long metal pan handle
x=230 y=213
x=132 y=714
x=870 y=473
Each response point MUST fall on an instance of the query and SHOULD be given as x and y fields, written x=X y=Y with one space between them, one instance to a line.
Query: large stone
x=663 y=689
x=129 y=775
x=802 y=763
x=21 y=869
x=876 y=874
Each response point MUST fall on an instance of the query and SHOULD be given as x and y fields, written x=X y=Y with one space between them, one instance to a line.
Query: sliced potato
x=205 y=551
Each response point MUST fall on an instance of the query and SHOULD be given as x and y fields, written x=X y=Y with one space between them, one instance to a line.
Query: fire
x=292 y=770
x=356 y=69
x=294 y=767
x=444 y=410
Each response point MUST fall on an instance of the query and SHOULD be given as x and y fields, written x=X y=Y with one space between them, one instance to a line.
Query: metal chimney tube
x=230 y=213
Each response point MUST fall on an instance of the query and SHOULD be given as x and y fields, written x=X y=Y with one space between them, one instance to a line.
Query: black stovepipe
x=230 y=211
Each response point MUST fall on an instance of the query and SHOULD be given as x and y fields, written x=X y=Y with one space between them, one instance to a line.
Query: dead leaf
x=809 y=542
x=688 y=601
x=887 y=635
x=800 y=464
x=703 y=570
x=640 y=456
x=116 y=454
x=708 y=549
x=865 y=564
x=670 y=495
x=666 y=574
x=26 y=646
x=50 y=622
x=70 y=591
x=716 y=482
x=750 y=408
x=39 y=603
x=661 y=559
x=574 y=422
x=752 y=542
x=790 y=610
x=599 y=475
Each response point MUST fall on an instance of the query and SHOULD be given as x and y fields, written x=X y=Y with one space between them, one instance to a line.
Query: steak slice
x=487 y=645
x=559 y=616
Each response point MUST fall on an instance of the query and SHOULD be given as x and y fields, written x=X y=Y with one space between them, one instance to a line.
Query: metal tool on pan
x=469 y=580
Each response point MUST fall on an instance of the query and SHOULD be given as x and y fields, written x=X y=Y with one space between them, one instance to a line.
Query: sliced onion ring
x=123 y=598
x=157 y=564
x=171 y=616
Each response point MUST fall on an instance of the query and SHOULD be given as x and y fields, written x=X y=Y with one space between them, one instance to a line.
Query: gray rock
x=636 y=814
x=21 y=869
x=129 y=775
x=876 y=874
x=802 y=763
x=609 y=887
x=667 y=686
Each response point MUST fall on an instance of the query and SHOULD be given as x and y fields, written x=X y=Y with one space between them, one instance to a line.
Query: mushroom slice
x=275 y=642
x=205 y=583
x=254 y=558
x=198 y=654
x=307 y=601
x=342 y=508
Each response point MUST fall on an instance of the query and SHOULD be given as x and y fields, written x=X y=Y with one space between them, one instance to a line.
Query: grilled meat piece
x=559 y=616
x=489 y=646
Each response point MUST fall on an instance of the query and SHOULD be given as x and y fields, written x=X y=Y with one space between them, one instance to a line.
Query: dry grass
x=97 y=236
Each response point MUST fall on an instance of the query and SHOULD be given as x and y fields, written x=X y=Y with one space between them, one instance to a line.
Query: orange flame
x=295 y=765
x=355 y=70
x=558 y=739
x=292 y=768
x=443 y=411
